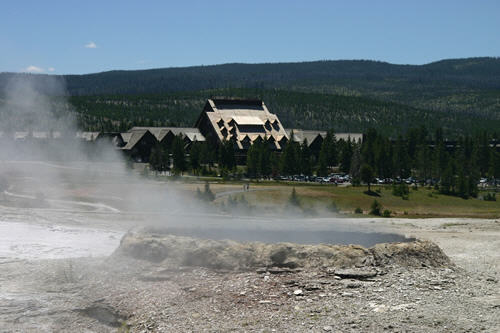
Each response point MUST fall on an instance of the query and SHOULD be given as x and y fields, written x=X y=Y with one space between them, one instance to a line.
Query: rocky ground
x=123 y=293
x=158 y=283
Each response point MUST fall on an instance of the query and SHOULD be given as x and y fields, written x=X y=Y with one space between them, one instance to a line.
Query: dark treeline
x=454 y=168
x=201 y=159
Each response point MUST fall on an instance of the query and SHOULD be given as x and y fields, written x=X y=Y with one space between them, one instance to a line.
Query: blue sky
x=64 y=37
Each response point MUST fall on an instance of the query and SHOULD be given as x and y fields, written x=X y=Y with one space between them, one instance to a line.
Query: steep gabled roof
x=299 y=135
x=126 y=136
x=135 y=136
x=241 y=117
x=192 y=133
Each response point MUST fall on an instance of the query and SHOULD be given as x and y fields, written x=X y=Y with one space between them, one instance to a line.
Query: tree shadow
x=372 y=193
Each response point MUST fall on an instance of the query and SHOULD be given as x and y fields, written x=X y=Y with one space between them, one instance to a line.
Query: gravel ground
x=124 y=294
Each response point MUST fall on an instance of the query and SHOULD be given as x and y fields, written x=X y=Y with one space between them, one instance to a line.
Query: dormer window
x=276 y=125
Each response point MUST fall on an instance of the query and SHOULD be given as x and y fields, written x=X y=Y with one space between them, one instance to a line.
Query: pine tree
x=401 y=159
x=178 y=154
x=290 y=159
x=195 y=157
x=253 y=161
x=227 y=159
x=265 y=158
x=346 y=157
x=305 y=159
x=355 y=170
x=367 y=174
x=447 y=185
x=323 y=160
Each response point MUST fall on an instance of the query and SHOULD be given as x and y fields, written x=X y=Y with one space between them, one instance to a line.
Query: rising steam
x=42 y=158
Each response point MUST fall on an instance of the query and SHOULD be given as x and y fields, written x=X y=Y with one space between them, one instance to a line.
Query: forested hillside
x=461 y=95
x=408 y=84
x=295 y=109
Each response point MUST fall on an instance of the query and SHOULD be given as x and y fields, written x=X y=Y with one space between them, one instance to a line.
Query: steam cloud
x=41 y=157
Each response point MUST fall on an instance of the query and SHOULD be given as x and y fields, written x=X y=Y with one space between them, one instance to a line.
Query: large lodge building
x=240 y=121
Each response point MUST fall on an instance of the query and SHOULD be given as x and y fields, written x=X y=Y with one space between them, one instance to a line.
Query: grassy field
x=422 y=202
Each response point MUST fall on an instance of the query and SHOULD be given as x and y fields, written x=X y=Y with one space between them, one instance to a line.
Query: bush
x=489 y=197
x=356 y=181
x=358 y=211
x=401 y=190
x=207 y=195
x=293 y=200
x=386 y=213
x=333 y=207
x=376 y=208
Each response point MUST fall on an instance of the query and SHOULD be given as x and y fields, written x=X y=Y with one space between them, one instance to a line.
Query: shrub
x=207 y=195
x=386 y=213
x=293 y=200
x=333 y=207
x=358 y=211
x=489 y=197
x=401 y=190
x=356 y=181
x=376 y=208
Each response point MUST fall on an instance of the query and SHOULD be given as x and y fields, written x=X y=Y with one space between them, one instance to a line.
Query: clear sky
x=91 y=36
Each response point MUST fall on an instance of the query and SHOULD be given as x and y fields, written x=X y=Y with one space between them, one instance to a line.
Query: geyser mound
x=237 y=256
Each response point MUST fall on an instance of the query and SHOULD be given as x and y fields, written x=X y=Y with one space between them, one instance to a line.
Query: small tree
x=207 y=194
x=294 y=200
x=367 y=175
x=401 y=190
x=333 y=207
x=376 y=208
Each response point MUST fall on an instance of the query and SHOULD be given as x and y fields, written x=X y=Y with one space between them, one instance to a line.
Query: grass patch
x=423 y=203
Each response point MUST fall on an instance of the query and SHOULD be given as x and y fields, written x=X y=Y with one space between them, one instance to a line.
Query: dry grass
x=422 y=202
